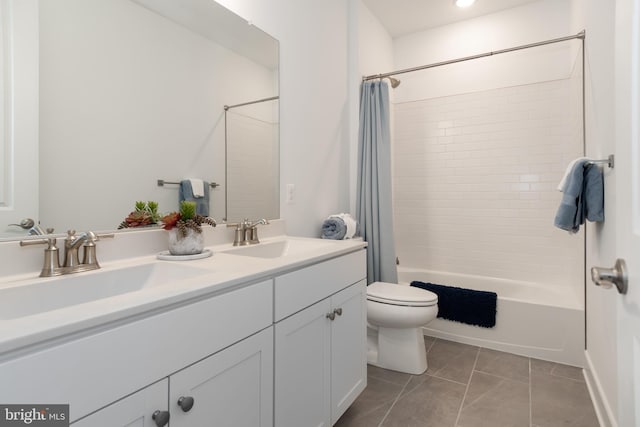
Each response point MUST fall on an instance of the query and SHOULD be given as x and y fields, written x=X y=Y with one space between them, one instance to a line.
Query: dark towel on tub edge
x=463 y=305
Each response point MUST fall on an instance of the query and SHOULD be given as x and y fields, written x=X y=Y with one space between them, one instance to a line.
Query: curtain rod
x=580 y=35
x=226 y=107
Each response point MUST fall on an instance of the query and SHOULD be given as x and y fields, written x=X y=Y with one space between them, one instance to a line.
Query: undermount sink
x=278 y=249
x=47 y=294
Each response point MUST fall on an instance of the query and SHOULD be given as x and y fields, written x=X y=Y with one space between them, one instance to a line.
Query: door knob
x=185 y=403
x=161 y=418
x=608 y=277
x=331 y=316
x=338 y=311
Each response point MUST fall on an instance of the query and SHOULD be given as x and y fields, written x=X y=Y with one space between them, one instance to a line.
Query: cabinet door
x=348 y=347
x=135 y=410
x=232 y=388
x=302 y=388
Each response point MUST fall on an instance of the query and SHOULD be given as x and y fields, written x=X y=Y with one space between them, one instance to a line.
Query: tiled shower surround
x=475 y=179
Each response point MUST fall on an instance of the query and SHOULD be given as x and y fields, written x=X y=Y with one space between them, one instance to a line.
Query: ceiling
x=401 y=17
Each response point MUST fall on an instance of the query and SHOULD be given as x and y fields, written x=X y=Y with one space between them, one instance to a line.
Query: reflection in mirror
x=252 y=160
x=133 y=91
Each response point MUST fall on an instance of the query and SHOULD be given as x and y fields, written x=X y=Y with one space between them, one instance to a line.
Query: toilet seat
x=394 y=294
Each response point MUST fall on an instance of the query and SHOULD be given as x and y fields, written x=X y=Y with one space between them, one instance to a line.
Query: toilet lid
x=392 y=293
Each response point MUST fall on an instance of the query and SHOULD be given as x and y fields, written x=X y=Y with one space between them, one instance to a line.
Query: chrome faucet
x=72 y=245
x=246 y=232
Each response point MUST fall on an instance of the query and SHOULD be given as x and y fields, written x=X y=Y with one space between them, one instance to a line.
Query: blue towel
x=186 y=194
x=583 y=197
x=593 y=194
x=334 y=228
x=464 y=305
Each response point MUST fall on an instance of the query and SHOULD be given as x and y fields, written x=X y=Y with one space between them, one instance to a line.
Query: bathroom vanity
x=272 y=334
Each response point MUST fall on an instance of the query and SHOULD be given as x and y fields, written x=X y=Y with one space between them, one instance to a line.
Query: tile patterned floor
x=467 y=386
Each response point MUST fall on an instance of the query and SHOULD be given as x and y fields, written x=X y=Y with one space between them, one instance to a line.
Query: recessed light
x=464 y=3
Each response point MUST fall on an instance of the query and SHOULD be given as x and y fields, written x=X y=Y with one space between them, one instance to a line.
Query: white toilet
x=396 y=314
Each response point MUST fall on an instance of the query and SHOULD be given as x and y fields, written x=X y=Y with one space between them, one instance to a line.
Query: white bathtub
x=532 y=320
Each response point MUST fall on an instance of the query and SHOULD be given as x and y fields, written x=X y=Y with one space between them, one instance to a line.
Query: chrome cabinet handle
x=338 y=311
x=185 y=403
x=608 y=277
x=161 y=418
x=331 y=316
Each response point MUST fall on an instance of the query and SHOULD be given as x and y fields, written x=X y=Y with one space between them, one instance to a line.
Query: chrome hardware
x=246 y=232
x=25 y=224
x=161 y=418
x=338 y=311
x=331 y=316
x=608 y=277
x=72 y=244
x=185 y=403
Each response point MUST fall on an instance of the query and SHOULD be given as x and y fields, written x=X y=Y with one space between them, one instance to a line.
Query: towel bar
x=162 y=182
x=609 y=161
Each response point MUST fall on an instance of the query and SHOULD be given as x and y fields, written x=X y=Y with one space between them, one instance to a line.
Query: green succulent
x=187 y=210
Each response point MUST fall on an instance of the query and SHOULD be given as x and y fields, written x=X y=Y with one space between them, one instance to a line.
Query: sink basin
x=278 y=249
x=46 y=294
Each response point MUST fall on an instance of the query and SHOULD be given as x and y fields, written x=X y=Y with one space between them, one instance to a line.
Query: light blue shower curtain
x=374 y=210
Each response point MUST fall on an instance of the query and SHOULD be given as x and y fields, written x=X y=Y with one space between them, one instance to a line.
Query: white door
x=303 y=366
x=348 y=347
x=142 y=409
x=232 y=388
x=627 y=197
x=18 y=113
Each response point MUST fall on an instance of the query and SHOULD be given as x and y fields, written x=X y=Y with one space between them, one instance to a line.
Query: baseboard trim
x=606 y=416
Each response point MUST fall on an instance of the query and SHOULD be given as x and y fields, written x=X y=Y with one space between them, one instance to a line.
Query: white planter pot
x=192 y=244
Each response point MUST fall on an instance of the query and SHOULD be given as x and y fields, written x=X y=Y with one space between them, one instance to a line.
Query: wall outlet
x=291 y=192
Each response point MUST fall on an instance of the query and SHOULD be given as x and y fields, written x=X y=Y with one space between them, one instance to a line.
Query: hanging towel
x=339 y=226
x=464 y=305
x=562 y=186
x=186 y=193
x=197 y=187
x=583 y=197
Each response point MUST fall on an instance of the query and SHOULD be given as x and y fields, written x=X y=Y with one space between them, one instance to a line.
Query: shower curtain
x=374 y=209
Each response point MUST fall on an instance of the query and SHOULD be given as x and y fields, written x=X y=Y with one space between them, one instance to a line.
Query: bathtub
x=532 y=320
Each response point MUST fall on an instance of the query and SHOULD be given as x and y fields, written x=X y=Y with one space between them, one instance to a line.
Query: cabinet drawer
x=302 y=288
x=93 y=371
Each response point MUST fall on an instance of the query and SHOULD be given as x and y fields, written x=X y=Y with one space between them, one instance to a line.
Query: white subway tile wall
x=475 y=179
x=252 y=168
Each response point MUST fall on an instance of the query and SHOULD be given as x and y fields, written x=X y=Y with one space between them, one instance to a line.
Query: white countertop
x=224 y=272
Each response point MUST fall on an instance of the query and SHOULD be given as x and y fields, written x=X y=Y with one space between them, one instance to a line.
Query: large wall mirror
x=134 y=91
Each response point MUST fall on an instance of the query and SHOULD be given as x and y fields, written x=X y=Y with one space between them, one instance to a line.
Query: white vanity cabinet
x=136 y=410
x=224 y=338
x=232 y=388
x=320 y=350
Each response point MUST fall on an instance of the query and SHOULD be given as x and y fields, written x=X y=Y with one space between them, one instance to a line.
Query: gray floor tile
x=452 y=361
x=434 y=403
x=560 y=401
x=388 y=375
x=352 y=418
x=503 y=364
x=378 y=394
x=495 y=401
x=557 y=369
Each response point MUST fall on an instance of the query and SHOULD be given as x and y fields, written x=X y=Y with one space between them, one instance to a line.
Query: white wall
x=598 y=19
x=127 y=97
x=533 y=22
x=480 y=146
x=314 y=104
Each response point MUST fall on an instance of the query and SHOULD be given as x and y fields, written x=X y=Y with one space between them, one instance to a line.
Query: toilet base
x=400 y=350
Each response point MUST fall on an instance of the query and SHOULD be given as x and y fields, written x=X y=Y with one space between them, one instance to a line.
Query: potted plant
x=144 y=214
x=185 y=229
